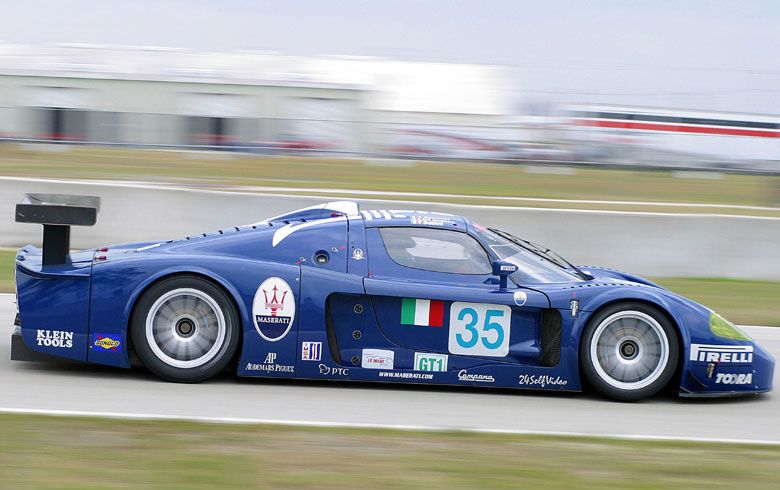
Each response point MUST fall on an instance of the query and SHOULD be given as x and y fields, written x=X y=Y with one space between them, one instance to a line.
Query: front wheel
x=185 y=329
x=629 y=351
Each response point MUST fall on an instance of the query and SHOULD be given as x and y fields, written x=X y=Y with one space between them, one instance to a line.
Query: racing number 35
x=478 y=329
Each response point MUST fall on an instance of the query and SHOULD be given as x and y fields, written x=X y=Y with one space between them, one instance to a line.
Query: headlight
x=725 y=329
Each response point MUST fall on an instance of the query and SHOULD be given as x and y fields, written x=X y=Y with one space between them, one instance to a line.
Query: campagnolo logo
x=464 y=375
x=734 y=354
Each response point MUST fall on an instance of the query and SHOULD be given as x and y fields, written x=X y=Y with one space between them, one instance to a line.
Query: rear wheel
x=185 y=329
x=629 y=351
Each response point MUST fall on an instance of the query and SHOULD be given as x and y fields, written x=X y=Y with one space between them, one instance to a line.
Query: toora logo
x=734 y=379
x=273 y=309
x=54 y=338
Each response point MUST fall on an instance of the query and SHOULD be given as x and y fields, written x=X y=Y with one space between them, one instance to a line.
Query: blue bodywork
x=350 y=308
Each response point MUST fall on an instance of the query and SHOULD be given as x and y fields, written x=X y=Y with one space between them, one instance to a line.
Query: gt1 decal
x=464 y=375
x=105 y=342
x=54 y=338
x=478 y=329
x=520 y=298
x=734 y=379
x=273 y=309
x=377 y=359
x=430 y=362
x=541 y=381
x=729 y=354
x=311 y=351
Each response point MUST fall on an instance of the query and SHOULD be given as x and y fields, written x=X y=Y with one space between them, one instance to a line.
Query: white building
x=163 y=96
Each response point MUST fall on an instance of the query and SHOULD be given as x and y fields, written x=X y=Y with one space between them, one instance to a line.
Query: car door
x=433 y=293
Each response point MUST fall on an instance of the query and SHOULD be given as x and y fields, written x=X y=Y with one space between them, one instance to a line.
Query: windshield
x=532 y=268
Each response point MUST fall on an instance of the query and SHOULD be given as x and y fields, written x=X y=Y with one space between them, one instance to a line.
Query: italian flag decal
x=422 y=312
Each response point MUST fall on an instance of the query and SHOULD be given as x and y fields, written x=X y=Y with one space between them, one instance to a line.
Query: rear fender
x=116 y=288
x=44 y=295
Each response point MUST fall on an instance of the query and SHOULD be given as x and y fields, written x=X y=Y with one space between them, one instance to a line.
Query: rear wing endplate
x=57 y=213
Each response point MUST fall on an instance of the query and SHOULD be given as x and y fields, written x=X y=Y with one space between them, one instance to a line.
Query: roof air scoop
x=332 y=209
x=57 y=213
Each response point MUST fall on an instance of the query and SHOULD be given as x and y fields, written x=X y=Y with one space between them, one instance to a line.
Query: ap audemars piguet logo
x=273 y=309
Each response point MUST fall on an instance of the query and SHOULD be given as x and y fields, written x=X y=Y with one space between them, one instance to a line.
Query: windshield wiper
x=543 y=252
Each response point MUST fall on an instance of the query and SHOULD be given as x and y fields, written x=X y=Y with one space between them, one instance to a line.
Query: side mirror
x=503 y=269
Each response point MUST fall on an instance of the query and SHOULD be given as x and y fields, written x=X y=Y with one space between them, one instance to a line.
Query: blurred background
x=658 y=84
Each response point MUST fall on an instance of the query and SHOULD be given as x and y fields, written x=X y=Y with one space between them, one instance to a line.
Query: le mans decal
x=273 y=309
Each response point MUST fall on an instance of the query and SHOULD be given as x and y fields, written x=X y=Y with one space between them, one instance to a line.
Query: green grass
x=7 y=258
x=741 y=301
x=49 y=452
x=472 y=179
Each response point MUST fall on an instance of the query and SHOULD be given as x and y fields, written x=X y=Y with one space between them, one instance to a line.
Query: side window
x=436 y=250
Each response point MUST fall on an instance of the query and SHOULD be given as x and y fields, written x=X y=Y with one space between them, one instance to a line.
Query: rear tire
x=629 y=351
x=185 y=329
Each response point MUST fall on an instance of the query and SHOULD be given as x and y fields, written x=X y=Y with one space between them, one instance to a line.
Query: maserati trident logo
x=274 y=304
x=273 y=309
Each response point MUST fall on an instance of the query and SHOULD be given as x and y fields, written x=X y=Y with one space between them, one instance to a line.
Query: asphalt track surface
x=62 y=388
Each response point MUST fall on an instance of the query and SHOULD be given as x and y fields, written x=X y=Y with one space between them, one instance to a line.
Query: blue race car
x=333 y=292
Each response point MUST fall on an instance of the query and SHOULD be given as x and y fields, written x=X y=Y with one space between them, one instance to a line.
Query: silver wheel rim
x=185 y=328
x=629 y=350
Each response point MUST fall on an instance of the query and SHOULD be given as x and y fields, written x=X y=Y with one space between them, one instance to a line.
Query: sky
x=714 y=55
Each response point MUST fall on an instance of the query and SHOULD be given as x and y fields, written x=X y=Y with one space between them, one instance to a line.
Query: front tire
x=185 y=329
x=629 y=351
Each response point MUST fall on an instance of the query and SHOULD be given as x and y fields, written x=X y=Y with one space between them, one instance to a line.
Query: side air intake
x=551 y=337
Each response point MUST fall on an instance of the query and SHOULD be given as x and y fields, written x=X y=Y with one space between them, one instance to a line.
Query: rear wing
x=57 y=213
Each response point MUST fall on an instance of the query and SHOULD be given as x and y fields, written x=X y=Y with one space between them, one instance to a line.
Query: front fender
x=687 y=315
